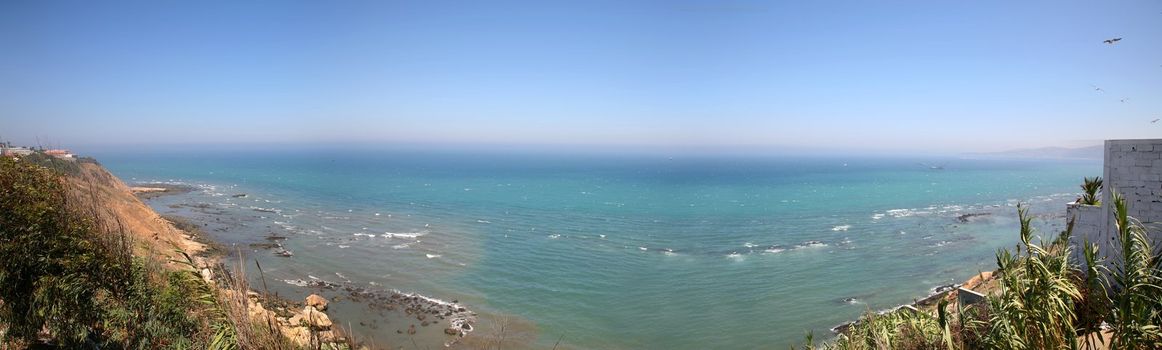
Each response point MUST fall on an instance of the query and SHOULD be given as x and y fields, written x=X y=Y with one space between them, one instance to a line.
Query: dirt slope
x=118 y=209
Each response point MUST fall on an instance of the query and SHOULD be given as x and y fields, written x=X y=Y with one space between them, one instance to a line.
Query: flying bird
x=1154 y=121
x=1124 y=100
x=1095 y=88
x=1112 y=41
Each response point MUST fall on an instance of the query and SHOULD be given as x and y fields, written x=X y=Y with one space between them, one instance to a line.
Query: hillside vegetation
x=86 y=265
x=1046 y=300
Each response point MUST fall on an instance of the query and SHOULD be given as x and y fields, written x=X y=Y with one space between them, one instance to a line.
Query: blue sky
x=845 y=75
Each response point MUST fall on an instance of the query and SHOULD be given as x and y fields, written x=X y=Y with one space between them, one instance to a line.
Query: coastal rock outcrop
x=207 y=276
x=966 y=218
x=310 y=325
x=316 y=319
x=317 y=302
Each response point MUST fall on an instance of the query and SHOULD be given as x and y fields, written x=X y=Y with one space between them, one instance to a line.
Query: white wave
x=774 y=250
x=734 y=255
x=411 y=235
x=432 y=256
x=841 y=228
x=460 y=320
x=951 y=208
x=643 y=248
x=299 y=283
x=748 y=245
x=602 y=236
x=401 y=246
x=344 y=246
x=365 y=234
x=341 y=276
x=554 y=236
x=265 y=210
x=903 y=213
x=877 y=216
x=669 y=252
x=484 y=221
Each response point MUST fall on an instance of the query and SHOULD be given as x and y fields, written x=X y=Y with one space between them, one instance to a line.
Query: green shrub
x=51 y=270
x=64 y=166
x=59 y=272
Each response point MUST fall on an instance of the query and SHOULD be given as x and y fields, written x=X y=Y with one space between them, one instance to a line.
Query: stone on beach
x=318 y=302
x=296 y=320
x=316 y=319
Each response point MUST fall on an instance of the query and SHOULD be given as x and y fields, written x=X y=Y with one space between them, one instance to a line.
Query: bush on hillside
x=59 y=272
x=64 y=166
x=51 y=269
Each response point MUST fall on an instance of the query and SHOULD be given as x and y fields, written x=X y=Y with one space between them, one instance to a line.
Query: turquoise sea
x=611 y=251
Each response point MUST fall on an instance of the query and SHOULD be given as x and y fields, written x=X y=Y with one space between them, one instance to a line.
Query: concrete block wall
x=1087 y=227
x=1134 y=169
x=1087 y=220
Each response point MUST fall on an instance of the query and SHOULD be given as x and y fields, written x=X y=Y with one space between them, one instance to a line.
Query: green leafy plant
x=1035 y=309
x=66 y=272
x=1091 y=189
x=50 y=273
x=1045 y=300
x=1135 y=305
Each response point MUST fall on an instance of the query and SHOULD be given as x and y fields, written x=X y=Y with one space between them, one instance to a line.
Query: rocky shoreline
x=455 y=318
x=941 y=292
x=306 y=323
x=308 y=326
x=150 y=190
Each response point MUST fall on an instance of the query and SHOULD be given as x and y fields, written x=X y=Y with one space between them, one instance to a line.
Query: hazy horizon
x=691 y=76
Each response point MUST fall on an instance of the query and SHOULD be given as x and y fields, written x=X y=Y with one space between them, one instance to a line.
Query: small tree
x=1091 y=189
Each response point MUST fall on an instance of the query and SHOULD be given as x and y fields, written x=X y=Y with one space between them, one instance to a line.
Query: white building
x=14 y=151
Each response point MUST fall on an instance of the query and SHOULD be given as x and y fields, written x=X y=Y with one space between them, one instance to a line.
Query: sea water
x=613 y=251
